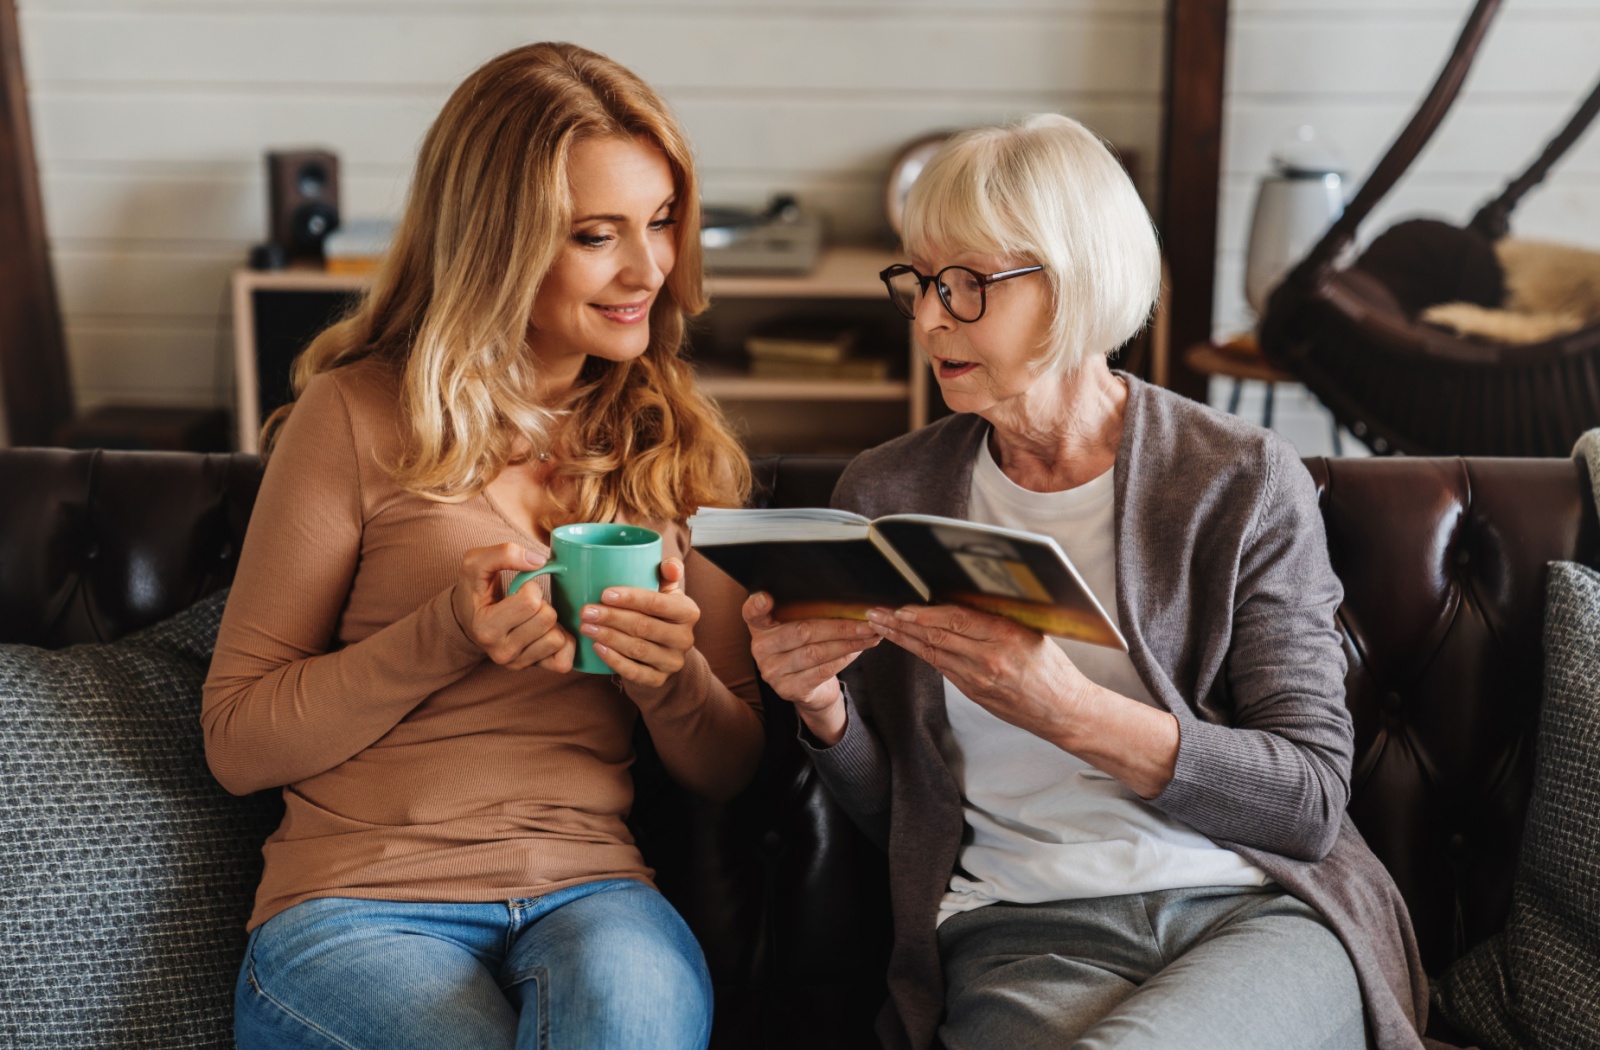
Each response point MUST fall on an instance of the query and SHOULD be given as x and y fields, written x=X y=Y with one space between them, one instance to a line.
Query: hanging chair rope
x=1494 y=219
x=1403 y=151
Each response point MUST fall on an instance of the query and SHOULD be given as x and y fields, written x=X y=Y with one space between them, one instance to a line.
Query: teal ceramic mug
x=587 y=558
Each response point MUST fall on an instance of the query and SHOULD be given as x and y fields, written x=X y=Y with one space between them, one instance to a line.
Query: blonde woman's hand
x=516 y=632
x=643 y=635
x=801 y=661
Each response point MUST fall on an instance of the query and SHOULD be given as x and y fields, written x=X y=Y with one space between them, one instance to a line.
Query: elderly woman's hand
x=643 y=635
x=1024 y=678
x=1016 y=674
x=801 y=661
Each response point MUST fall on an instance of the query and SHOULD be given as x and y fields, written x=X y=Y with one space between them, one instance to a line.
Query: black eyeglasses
x=962 y=291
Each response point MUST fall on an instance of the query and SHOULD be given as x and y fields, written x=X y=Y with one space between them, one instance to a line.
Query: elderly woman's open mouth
x=950 y=369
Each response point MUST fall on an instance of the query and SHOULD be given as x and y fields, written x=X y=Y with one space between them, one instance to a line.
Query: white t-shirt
x=1044 y=825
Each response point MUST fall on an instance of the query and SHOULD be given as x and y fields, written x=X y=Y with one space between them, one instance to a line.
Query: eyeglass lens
x=960 y=289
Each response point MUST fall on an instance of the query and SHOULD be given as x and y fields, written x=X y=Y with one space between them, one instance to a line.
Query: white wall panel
x=119 y=279
x=684 y=8
x=1375 y=9
x=1334 y=53
x=972 y=51
x=166 y=209
x=181 y=364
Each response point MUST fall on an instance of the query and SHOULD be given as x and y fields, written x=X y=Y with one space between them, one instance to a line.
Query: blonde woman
x=1091 y=848
x=453 y=868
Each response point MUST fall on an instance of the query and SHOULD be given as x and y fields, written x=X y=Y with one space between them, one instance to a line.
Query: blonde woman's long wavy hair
x=488 y=212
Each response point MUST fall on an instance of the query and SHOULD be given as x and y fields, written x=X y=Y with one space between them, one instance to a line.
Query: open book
x=830 y=563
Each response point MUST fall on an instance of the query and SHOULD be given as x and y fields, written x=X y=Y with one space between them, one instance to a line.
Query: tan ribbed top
x=413 y=767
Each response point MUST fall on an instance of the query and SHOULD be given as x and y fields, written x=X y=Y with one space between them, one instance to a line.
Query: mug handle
x=523 y=577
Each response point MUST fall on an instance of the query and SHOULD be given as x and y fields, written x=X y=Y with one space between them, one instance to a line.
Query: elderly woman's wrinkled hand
x=801 y=661
x=1017 y=675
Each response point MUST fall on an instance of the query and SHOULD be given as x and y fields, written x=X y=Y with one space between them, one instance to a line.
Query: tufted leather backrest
x=1443 y=567
x=94 y=545
x=1443 y=564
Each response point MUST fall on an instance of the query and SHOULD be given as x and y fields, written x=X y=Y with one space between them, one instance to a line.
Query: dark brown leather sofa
x=1443 y=566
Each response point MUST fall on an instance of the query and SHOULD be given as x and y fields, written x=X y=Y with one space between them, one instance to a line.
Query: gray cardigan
x=1228 y=603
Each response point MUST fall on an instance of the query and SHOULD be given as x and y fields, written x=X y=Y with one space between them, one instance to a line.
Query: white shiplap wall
x=151 y=117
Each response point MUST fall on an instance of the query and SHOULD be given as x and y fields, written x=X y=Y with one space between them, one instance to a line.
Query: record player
x=781 y=239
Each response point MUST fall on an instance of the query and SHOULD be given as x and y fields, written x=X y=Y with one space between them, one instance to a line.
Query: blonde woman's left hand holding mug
x=516 y=631
x=627 y=607
x=644 y=635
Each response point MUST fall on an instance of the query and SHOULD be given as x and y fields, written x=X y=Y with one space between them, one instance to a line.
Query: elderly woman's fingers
x=797 y=634
x=957 y=619
x=814 y=677
x=951 y=632
x=757 y=612
x=800 y=658
x=822 y=654
x=930 y=654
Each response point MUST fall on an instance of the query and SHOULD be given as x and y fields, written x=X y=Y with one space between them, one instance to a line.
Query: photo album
x=819 y=563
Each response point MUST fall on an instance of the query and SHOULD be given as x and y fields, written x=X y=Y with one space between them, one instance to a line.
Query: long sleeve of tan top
x=715 y=697
x=310 y=671
x=284 y=701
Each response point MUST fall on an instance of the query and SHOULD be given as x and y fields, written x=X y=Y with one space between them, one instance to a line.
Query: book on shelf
x=858 y=368
x=820 y=563
x=357 y=246
x=813 y=341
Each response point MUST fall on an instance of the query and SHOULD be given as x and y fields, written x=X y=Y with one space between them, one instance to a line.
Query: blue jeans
x=605 y=964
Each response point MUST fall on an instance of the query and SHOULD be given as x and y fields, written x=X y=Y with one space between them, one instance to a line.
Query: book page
x=1023 y=576
x=714 y=526
x=816 y=563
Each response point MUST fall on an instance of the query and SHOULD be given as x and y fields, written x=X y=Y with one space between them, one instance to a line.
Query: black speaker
x=302 y=200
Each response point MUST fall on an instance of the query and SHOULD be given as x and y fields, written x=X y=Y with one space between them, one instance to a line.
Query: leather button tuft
x=1393 y=702
x=771 y=843
x=1463 y=556
x=92 y=551
x=1457 y=845
x=226 y=552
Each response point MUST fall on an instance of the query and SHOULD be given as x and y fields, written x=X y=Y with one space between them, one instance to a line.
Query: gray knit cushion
x=1537 y=984
x=126 y=872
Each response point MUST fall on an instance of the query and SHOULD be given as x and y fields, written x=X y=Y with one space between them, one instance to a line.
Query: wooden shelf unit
x=774 y=414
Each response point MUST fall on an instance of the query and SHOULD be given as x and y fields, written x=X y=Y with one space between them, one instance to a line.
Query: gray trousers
x=1215 y=968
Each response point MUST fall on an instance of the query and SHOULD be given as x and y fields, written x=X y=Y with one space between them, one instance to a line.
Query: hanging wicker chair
x=1353 y=335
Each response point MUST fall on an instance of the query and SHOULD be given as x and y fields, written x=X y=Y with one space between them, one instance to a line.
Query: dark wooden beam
x=33 y=359
x=1191 y=175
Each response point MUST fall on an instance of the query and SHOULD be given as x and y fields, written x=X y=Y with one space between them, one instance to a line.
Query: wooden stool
x=1239 y=359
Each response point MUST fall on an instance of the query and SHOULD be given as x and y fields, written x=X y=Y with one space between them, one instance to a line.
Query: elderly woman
x=1087 y=847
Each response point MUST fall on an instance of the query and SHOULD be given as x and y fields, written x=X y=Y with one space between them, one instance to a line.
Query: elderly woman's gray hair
x=1046 y=190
